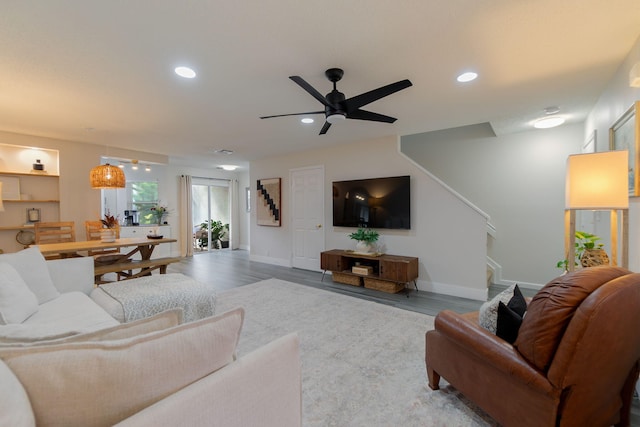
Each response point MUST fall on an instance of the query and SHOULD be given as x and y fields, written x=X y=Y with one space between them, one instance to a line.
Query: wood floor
x=226 y=269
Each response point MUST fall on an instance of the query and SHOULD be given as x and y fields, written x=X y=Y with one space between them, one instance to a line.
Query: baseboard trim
x=526 y=285
x=453 y=290
x=270 y=260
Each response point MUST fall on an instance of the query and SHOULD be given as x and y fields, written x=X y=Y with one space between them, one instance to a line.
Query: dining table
x=143 y=245
x=124 y=264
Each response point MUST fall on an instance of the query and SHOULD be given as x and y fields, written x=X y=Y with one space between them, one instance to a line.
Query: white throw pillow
x=101 y=383
x=17 y=302
x=32 y=267
x=488 y=315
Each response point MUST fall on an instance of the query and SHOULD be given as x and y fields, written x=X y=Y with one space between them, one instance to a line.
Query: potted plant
x=109 y=222
x=366 y=239
x=217 y=230
x=589 y=252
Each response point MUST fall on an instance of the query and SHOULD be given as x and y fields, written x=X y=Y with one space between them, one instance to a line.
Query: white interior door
x=307 y=207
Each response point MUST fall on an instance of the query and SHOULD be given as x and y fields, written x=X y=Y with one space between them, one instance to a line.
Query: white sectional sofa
x=64 y=361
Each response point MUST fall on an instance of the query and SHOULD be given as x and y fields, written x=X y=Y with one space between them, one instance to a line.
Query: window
x=142 y=196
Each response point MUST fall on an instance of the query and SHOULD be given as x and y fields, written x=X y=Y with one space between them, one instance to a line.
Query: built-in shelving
x=24 y=189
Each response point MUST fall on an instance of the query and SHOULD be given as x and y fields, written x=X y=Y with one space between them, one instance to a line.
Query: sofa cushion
x=552 y=308
x=15 y=409
x=34 y=271
x=488 y=314
x=102 y=383
x=161 y=321
x=69 y=314
x=17 y=302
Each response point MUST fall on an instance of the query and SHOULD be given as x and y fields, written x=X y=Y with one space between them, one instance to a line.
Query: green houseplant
x=365 y=238
x=217 y=230
x=588 y=252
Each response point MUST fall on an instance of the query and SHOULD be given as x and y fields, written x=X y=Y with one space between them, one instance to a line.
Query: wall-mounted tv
x=373 y=203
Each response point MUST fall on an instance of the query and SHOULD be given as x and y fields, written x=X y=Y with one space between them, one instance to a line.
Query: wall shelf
x=40 y=175
x=17 y=227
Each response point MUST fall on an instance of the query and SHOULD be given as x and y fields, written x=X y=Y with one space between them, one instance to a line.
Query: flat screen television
x=373 y=203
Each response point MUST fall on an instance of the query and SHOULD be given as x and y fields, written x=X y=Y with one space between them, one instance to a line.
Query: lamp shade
x=107 y=176
x=598 y=181
x=1 y=205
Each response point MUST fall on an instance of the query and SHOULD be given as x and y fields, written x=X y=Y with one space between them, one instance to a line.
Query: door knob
x=319 y=226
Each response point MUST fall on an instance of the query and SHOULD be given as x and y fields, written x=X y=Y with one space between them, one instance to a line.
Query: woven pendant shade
x=106 y=176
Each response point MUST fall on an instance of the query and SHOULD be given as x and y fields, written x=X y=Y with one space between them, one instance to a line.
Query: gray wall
x=517 y=179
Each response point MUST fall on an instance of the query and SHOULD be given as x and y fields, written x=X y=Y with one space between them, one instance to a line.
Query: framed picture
x=625 y=135
x=33 y=215
x=268 y=202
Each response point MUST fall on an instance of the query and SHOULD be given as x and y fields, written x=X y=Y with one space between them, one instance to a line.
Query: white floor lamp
x=598 y=181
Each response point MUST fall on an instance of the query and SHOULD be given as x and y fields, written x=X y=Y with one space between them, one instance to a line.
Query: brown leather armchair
x=574 y=363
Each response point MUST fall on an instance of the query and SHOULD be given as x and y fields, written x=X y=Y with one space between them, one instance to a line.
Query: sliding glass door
x=211 y=214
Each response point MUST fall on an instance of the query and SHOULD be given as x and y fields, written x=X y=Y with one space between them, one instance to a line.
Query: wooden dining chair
x=94 y=232
x=55 y=232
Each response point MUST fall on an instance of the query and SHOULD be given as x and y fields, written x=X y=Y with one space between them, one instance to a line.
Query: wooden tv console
x=387 y=273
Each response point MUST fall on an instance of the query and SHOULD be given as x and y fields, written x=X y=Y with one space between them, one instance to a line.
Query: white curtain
x=234 y=242
x=186 y=216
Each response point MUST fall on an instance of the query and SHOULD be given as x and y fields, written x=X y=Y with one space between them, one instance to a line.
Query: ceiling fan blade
x=293 y=114
x=306 y=86
x=325 y=128
x=368 y=115
x=358 y=101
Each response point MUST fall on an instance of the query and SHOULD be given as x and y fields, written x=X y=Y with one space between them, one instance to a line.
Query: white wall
x=617 y=97
x=518 y=180
x=447 y=236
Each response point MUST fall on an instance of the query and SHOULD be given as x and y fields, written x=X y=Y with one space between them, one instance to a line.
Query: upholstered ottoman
x=129 y=300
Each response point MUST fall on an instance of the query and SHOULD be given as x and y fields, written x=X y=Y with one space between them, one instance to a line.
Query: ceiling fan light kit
x=337 y=108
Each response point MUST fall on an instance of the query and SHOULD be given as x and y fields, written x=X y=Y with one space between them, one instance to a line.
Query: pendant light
x=107 y=176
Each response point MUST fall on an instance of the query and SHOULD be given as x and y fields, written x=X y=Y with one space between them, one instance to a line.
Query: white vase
x=364 y=247
x=108 y=235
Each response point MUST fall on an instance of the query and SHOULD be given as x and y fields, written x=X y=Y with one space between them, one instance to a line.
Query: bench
x=124 y=270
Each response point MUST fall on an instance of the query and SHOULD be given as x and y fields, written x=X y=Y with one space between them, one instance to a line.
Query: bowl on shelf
x=154 y=236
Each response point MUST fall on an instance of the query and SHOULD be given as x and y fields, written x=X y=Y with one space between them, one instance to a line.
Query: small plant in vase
x=366 y=239
x=159 y=212
x=109 y=222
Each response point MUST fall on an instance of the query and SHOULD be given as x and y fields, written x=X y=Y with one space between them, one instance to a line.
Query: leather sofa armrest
x=488 y=347
x=263 y=388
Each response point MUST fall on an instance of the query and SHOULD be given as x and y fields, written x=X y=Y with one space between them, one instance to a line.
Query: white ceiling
x=67 y=66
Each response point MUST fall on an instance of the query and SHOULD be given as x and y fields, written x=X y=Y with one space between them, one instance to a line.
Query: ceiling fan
x=337 y=108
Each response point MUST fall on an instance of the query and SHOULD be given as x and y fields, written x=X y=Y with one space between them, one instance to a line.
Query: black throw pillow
x=510 y=316
x=517 y=303
x=508 y=323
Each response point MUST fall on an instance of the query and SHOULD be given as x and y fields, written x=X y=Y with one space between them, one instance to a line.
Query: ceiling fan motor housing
x=336 y=99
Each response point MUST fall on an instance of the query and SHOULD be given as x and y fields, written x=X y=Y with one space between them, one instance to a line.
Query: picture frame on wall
x=268 y=194
x=624 y=134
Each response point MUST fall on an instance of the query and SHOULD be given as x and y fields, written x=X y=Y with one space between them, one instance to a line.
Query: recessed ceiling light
x=223 y=151
x=229 y=167
x=185 y=72
x=307 y=120
x=548 y=122
x=467 y=77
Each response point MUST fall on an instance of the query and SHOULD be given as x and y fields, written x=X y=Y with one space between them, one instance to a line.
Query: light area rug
x=362 y=362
